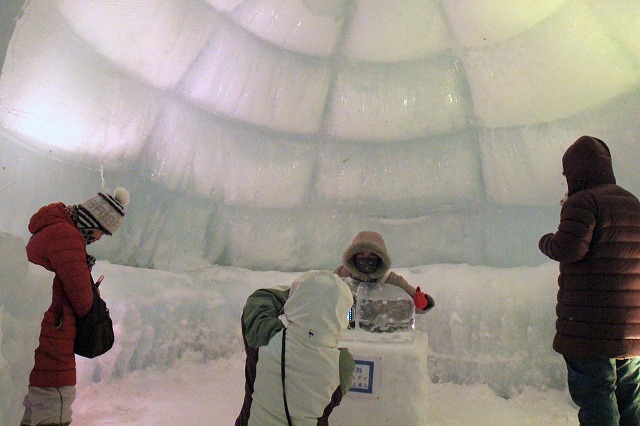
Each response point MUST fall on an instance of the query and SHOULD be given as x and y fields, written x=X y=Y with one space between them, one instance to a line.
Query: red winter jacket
x=57 y=245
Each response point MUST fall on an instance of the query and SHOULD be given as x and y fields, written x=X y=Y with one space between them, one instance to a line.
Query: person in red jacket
x=60 y=235
x=598 y=304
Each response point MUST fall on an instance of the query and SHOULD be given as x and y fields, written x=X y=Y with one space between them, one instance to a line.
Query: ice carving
x=380 y=308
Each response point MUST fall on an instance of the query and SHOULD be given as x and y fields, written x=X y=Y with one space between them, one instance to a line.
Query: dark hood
x=587 y=163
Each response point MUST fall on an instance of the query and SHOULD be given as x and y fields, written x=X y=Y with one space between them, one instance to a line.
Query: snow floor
x=211 y=393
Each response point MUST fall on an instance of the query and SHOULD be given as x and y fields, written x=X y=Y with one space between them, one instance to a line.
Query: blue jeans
x=607 y=390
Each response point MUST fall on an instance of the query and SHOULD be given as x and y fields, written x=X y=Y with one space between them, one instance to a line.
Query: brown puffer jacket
x=57 y=245
x=598 y=247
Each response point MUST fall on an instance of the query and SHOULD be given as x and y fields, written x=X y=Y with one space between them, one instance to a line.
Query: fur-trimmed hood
x=367 y=241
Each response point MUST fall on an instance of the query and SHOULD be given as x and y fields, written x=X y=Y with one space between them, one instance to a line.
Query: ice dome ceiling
x=267 y=133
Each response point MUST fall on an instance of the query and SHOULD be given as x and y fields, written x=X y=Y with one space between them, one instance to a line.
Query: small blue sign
x=363 y=377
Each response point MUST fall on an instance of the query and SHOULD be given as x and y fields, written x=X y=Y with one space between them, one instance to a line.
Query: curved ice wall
x=266 y=133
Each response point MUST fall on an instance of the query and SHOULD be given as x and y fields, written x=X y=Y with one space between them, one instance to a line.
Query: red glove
x=420 y=300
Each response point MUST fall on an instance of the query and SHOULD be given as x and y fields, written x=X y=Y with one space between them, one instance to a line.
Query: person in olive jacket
x=60 y=235
x=306 y=322
x=598 y=304
x=366 y=259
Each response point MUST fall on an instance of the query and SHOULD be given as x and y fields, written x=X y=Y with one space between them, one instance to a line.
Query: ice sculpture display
x=380 y=308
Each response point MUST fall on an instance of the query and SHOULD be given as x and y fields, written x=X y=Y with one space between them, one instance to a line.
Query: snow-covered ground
x=211 y=393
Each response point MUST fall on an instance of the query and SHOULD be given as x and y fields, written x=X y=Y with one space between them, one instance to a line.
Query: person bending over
x=294 y=371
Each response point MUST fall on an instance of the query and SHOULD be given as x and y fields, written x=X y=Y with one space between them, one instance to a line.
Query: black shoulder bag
x=284 y=392
x=94 y=331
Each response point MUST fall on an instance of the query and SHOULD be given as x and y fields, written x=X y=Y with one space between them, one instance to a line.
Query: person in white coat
x=303 y=323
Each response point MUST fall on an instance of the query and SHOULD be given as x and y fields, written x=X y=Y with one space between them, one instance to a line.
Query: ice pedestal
x=390 y=381
x=390 y=385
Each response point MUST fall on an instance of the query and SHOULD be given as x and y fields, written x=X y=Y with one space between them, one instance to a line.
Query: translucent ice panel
x=495 y=326
x=204 y=156
x=267 y=172
x=308 y=27
x=511 y=234
x=62 y=99
x=415 y=177
x=523 y=165
x=29 y=180
x=534 y=78
x=316 y=238
x=404 y=101
x=246 y=79
x=185 y=151
x=622 y=19
x=166 y=230
x=291 y=239
x=153 y=39
x=25 y=293
x=10 y=9
x=403 y=30
x=224 y=5
x=443 y=237
x=485 y=22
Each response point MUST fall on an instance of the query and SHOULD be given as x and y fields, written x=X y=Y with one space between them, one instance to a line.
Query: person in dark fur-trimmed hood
x=598 y=305
x=366 y=259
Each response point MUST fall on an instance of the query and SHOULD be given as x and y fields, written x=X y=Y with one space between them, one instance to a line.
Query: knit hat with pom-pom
x=103 y=211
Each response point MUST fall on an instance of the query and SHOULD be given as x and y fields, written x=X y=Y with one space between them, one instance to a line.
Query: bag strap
x=284 y=392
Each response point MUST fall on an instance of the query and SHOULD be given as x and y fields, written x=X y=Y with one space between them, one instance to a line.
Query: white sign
x=366 y=376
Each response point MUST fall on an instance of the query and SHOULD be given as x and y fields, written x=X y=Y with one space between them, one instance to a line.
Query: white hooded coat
x=316 y=312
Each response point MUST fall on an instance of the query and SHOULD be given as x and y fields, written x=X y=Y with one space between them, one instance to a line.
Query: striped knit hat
x=103 y=211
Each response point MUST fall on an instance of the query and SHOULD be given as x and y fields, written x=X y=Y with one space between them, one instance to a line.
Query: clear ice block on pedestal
x=380 y=308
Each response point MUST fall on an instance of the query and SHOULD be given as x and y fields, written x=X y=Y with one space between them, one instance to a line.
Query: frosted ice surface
x=405 y=30
x=155 y=40
x=185 y=153
x=480 y=23
x=399 y=102
x=224 y=5
x=438 y=133
x=533 y=78
x=623 y=26
x=244 y=78
x=311 y=28
x=253 y=165
x=522 y=166
x=442 y=172
x=86 y=110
